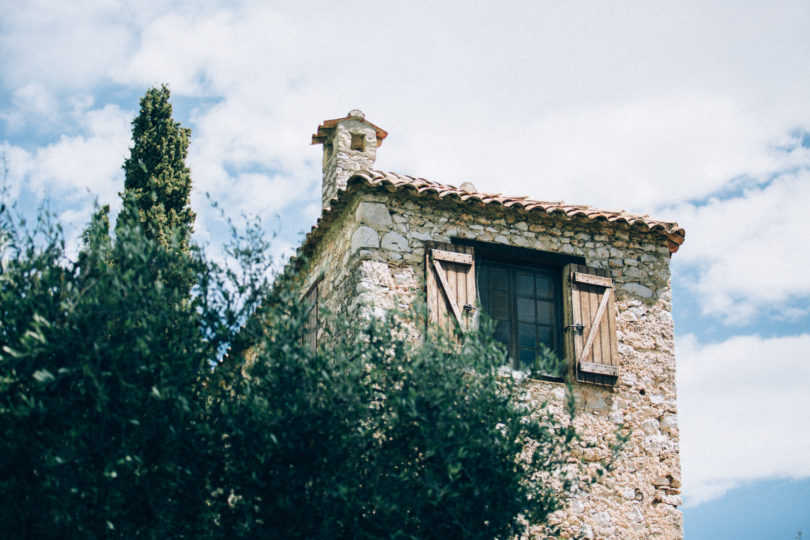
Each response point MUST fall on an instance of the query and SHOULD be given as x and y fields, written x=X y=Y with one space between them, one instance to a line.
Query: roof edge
x=420 y=187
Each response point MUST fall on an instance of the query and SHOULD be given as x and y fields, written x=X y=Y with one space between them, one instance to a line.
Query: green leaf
x=11 y=352
x=43 y=376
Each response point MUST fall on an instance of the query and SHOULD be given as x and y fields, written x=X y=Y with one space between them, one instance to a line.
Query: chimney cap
x=326 y=128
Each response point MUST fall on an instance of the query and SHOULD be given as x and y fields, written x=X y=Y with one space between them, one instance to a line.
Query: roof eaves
x=428 y=189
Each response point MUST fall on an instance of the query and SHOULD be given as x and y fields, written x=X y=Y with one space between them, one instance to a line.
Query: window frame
x=514 y=318
x=487 y=253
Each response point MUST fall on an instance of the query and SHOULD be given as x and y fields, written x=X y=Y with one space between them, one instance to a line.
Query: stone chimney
x=349 y=145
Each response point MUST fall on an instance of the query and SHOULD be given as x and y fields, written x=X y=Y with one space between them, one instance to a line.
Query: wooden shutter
x=590 y=314
x=450 y=278
x=310 y=330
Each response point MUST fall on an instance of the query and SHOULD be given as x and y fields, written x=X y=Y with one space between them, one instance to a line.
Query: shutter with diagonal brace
x=590 y=309
x=450 y=280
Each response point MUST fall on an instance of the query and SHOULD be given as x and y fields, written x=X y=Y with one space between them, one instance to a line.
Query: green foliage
x=156 y=179
x=102 y=430
x=381 y=437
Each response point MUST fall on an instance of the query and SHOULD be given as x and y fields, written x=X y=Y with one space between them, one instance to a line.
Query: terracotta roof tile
x=328 y=125
x=421 y=187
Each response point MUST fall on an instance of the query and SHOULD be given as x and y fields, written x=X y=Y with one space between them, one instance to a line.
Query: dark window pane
x=545 y=311
x=544 y=285
x=483 y=280
x=526 y=358
x=524 y=284
x=545 y=335
x=498 y=279
x=525 y=309
x=524 y=303
x=502 y=331
x=526 y=335
x=499 y=305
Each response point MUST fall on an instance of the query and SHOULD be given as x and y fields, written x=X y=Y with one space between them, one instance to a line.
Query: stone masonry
x=349 y=145
x=367 y=254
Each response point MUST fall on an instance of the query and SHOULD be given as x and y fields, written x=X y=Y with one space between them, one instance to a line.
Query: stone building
x=590 y=284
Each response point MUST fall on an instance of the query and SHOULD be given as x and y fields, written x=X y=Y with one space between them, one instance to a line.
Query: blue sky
x=690 y=111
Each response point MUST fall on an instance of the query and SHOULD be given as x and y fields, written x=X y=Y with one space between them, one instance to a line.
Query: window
x=310 y=303
x=525 y=303
x=538 y=300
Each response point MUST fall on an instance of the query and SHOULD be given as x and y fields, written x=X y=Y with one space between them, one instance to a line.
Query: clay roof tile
x=434 y=190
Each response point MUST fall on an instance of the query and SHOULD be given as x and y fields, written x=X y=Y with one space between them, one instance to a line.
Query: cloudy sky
x=690 y=111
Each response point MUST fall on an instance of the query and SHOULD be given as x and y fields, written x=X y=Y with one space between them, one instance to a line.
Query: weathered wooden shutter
x=450 y=279
x=590 y=314
x=310 y=330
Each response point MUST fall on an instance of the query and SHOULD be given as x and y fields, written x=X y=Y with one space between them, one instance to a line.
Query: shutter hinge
x=578 y=328
x=469 y=308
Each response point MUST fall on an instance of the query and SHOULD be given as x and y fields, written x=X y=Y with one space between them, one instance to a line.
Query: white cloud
x=64 y=45
x=582 y=103
x=663 y=148
x=748 y=250
x=76 y=167
x=249 y=146
x=743 y=412
x=213 y=51
x=253 y=193
x=586 y=103
x=32 y=101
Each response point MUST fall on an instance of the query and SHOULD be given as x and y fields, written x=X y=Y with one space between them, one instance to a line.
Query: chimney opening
x=358 y=142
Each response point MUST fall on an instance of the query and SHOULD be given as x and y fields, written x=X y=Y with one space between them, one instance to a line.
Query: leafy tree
x=376 y=436
x=102 y=427
x=156 y=178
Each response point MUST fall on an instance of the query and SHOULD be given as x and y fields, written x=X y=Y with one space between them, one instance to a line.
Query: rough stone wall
x=372 y=258
x=332 y=265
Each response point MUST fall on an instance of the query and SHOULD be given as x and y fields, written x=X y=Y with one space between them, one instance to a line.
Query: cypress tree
x=157 y=181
